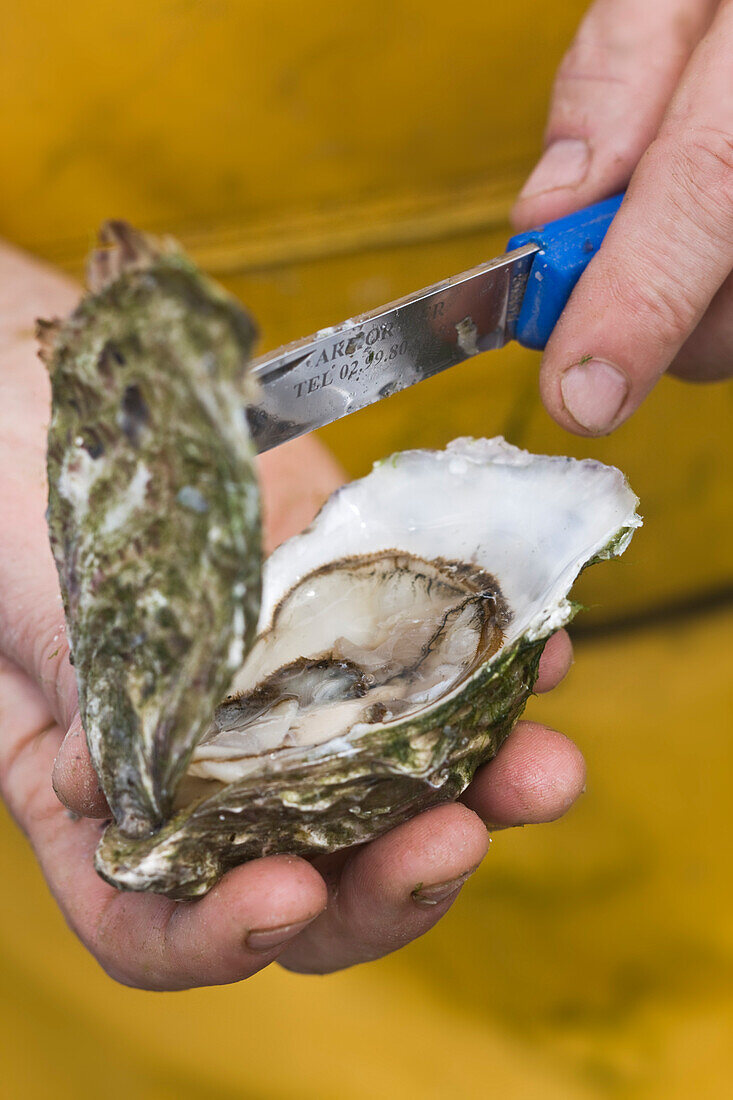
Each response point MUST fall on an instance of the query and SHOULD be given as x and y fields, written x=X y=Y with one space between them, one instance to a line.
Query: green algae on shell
x=153 y=510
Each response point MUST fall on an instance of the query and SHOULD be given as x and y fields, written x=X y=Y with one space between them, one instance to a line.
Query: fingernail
x=563 y=164
x=265 y=939
x=593 y=393
x=440 y=891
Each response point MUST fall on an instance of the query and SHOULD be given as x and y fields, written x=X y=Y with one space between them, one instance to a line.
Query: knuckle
x=700 y=162
x=585 y=61
x=586 y=71
x=661 y=279
x=657 y=298
x=130 y=948
x=600 y=54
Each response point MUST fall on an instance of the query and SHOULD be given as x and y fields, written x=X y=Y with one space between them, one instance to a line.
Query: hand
x=645 y=94
x=357 y=905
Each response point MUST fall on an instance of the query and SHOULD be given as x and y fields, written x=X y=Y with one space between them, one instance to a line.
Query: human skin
x=645 y=93
x=348 y=908
x=644 y=98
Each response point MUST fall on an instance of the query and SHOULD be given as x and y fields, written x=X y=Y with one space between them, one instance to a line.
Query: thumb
x=666 y=254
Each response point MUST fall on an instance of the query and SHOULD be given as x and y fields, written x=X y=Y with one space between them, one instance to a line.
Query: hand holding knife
x=517 y=296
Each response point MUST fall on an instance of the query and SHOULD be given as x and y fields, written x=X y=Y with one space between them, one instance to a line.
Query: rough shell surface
x=153 y=511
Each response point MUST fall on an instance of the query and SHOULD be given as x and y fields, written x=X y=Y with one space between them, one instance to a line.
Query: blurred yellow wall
x=323 y=158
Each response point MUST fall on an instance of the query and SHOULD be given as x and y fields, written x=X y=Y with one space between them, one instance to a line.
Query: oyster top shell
x=153 y=510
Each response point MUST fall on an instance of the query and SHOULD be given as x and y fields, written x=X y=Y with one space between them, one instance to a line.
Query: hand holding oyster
x=398 y=637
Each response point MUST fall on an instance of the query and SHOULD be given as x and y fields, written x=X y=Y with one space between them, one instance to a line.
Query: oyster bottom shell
x=328 y=801
x=525 y=524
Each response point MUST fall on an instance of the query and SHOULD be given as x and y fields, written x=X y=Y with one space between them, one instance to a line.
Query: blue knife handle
x=566 y=248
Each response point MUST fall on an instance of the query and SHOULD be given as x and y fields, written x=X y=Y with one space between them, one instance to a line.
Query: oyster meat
x=398 y=636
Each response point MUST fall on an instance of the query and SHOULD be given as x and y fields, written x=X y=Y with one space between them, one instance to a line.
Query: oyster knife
x=339 y=370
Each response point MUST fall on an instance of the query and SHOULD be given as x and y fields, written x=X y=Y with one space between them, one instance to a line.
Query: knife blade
x=339 y=370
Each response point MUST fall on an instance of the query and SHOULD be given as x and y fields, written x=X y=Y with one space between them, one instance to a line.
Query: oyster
x=398 y=642
x=398 y=636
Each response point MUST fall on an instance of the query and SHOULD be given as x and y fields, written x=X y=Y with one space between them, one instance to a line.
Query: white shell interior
x=531 y=521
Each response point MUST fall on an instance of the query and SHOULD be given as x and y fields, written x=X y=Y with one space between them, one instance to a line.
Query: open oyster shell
x=398 y=637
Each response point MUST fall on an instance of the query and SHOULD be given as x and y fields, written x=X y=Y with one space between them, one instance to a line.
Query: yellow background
x=323 y=158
